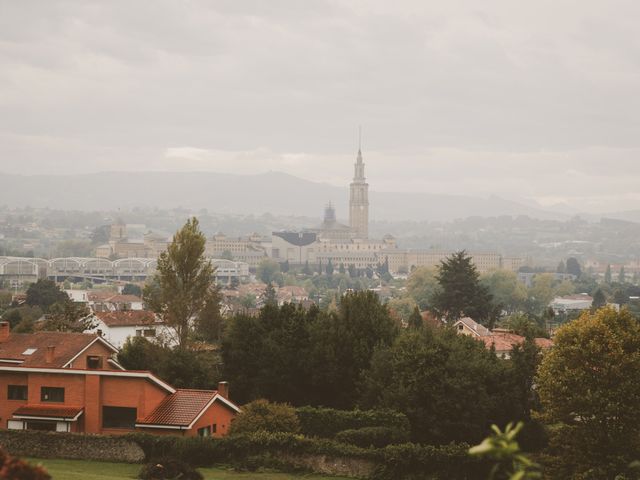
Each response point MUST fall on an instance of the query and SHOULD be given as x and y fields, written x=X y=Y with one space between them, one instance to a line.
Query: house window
x=17 y=392
x=214 y=428
x=204 y=431
x=119 y=417
x=52 y=394
x=146 y=332
x=94 y=362
x=460 y=327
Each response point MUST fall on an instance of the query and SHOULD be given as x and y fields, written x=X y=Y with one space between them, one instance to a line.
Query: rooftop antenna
x=359 y=137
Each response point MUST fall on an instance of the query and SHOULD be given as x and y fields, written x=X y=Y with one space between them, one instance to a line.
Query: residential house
x=70 y=382
x=117 y=326
x=501 y=340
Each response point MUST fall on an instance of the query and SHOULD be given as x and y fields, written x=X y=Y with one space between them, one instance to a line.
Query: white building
x=117 y=326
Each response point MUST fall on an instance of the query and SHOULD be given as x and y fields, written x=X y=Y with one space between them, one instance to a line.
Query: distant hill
x=274 y=192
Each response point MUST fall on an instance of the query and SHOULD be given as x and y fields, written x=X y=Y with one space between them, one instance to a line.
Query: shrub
x=12 y=468
x=428 y=462
x=262 y=415
x=327 y=422
x=376 y=437
x=169 y=470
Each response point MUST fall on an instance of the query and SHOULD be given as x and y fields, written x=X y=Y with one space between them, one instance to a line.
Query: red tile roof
x=125 y=318
x=67 y=345
x=47 y=411
x=504 y=341
x=180 y=408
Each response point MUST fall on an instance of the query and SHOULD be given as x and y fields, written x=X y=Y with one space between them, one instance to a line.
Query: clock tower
x=359 y=201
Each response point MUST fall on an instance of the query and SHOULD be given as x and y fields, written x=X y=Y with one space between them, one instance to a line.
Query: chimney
x=4 y=331
x=223 y=389
x=51 y=350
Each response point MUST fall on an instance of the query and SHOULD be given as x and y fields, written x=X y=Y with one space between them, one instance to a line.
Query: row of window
x=47 y=394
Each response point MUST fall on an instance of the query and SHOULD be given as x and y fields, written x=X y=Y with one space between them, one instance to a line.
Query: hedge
x=328 y=422
x=407 y=461
x=376 y=437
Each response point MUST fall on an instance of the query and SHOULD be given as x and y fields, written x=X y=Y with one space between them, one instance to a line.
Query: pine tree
x=561 y=267
x=461 y=293
x=270 y=297
x=599 y=300
x=573 y=267
x=341 y=269
x=607 y=275
x=622 y=278
x=329 y=267
x=415 y=320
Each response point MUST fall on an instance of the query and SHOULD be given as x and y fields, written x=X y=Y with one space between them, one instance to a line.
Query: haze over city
x=535 y=102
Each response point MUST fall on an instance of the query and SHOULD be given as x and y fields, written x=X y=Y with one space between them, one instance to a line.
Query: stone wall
x=71 y=446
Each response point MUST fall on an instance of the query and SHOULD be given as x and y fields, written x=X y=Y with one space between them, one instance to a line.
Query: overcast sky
x=532 y=99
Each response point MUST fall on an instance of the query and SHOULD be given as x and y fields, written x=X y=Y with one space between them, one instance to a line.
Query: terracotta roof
x=47 y=411
x=125 y=318
x=123 y=299
x=504 y=341
x=180 y=408
x=100 y=295
x=31 y=348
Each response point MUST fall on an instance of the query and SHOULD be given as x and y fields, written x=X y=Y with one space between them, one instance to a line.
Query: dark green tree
x=270 y=297
x=329 y=268
x=432 y=376
x=68 y=316
x=599 y=299
x=209 y=324
x=415 y=320
x=622 y=277
x=461 y=293
x=183 y=284
x=561 y=267
x=341 y=269
x=267 y=270
x=342 y=345
x=620 y=296
x=353 y=273
x=573 y=267
x=44 y=293
x=306 y=270
x=132 y=289
x=284 y=266
x=607 y=275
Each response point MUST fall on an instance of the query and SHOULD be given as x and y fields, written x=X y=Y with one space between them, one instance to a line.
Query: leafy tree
x=589 y=387
x=433 y=376
x=264 y=416
x=267 y=270
x=415 y=320
x=506 y=290
x=183 y=282
x=132 y=289
x=422 y=286
x=573 y=267
x=402 y=308
x=284 y=266
x=44 y=293
x=342 y=345
x=599 y=299
x=209 y=324
x=101 y=234
x=341 y=269
x=620 y=297
x=561 y=267
x=306 y=270
x=248 y=301
x=541 y=292
x=607 y=275
x=622 y=277
x=68 y=316
x=461 y=293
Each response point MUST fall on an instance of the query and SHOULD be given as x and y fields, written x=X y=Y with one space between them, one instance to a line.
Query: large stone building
x=333 y=241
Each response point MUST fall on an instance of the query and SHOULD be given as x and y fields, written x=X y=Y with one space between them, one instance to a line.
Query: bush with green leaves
x=262 y=415
x=328 y=422
x=375 y=437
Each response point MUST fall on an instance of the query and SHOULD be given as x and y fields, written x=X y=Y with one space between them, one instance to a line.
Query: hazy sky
x=532 y=99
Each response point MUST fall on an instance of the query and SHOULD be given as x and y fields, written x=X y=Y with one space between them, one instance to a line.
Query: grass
x=86 y=470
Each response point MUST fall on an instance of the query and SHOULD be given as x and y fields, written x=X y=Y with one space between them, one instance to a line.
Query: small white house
x=78 y=296
x=117 y=326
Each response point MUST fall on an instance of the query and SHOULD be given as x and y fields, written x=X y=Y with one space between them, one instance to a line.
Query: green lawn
x=84 y=470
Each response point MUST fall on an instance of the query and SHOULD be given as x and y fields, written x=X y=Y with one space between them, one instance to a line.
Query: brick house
x=70 y=382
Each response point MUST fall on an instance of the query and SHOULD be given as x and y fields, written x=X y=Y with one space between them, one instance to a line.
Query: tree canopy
x=183 y=285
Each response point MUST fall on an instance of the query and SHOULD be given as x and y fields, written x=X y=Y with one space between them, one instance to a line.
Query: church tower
x=359 y=201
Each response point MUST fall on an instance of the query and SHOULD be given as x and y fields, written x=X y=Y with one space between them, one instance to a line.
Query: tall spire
x=359 y=198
